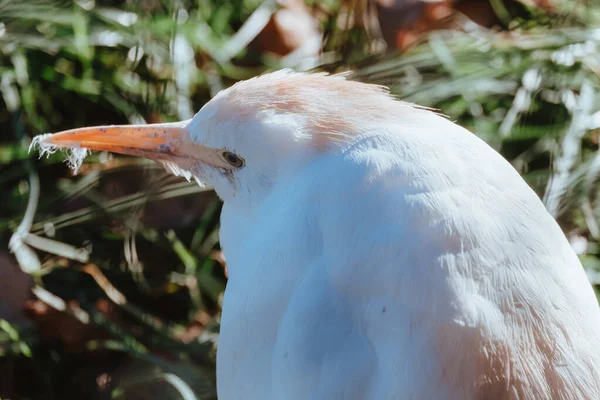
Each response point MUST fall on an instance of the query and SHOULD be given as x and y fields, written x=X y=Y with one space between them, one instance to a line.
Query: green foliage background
x=130 y=266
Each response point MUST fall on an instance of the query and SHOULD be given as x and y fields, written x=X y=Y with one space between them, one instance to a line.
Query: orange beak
x=169 y=142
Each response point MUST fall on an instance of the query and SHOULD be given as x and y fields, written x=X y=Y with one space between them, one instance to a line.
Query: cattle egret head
x=375 y=249
x=253 y=134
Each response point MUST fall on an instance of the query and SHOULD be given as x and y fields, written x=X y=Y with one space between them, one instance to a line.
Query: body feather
x=392 y=269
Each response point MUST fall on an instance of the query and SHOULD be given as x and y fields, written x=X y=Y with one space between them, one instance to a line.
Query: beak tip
x=40 y=141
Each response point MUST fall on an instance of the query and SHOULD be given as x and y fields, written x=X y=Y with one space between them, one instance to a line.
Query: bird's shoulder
x=405 y=210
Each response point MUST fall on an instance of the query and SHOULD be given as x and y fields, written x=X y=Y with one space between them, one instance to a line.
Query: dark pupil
x=232 y=158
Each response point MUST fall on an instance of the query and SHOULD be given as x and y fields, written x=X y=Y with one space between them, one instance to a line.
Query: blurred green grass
x=126 y=299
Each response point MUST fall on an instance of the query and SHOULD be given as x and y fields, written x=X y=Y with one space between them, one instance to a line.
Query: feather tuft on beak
x=75 y=155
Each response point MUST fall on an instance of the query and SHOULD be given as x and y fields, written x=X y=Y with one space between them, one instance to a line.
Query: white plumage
x=377 y=251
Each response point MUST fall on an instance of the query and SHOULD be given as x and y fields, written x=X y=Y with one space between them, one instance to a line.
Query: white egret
x=375 y=250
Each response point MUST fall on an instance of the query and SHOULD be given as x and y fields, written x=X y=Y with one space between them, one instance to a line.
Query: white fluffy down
x=75 y=155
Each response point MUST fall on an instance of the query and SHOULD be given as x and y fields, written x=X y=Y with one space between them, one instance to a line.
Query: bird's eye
x=233 y=159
